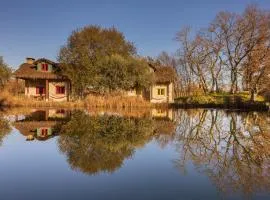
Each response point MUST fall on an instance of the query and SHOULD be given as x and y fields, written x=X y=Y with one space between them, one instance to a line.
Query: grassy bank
x=224 y=100
x=107 y=101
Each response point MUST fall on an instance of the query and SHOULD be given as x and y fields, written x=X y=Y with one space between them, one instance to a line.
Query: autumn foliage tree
x=101 y=59
x=256 y=68
x=233 y=50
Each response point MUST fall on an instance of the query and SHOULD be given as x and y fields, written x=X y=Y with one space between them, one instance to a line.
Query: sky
x=38 y=28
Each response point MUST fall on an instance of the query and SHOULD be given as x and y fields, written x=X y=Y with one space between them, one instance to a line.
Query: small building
x=42 y=81
x=162 y=90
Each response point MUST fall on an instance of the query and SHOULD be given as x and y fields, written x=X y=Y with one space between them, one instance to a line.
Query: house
x=162 y=89
x=42 y=124
x=163 y=114
x=42 y=81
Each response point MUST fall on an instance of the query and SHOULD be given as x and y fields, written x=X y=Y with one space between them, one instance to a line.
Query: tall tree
x=234 y=45
x=193 y=55
x=240 y=37
x=256 y=70
x=167 y=60
x=93 y=56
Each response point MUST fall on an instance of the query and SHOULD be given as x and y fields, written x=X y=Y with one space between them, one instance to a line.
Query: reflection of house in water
x=157 y=113
x=165 y=126
x=41 y=124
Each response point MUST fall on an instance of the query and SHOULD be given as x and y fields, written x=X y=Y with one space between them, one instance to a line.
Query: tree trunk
x=252 y=95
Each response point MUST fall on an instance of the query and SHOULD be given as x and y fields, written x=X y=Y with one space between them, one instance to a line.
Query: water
x=134 y=154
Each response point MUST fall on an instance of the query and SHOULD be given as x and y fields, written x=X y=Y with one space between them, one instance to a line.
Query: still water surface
x=150 y=154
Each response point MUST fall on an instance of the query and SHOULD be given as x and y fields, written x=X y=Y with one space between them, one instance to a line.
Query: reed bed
x=115 y=101
x=107 y=101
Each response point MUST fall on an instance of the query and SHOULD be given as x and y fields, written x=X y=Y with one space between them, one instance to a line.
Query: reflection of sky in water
x=177 y=165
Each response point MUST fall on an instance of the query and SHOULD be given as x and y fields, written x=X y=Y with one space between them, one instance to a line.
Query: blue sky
x=39 y=28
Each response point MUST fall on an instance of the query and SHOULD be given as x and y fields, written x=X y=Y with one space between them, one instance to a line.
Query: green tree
x=5 y=72
x=101 y=59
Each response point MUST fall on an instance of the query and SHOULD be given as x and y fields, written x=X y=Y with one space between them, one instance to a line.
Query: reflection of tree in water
x=4 y=129
x=232 y=149
x=95 y=144
x=164 y=131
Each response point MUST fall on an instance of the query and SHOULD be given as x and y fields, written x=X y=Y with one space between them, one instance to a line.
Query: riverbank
x=224 y=101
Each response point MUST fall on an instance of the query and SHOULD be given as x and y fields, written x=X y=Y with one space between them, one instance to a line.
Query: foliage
x=116 y=73
x=5 y=72
x=100 y=143
x=101 y=59
x=223 y=100
x=4 y=129
x=233 y=51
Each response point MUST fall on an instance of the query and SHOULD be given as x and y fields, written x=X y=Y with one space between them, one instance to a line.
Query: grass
x=107 y=101
x=218 y=100
x=223 y=100
x=115 y=101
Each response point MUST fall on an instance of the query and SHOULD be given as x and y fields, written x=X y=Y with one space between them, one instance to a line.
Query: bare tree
x=240 y=37
x=167 y=60
x=256 y=67
x=193 y=54
x=234 y=44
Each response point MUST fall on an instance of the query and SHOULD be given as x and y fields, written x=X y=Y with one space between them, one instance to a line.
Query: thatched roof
x=28 y=127
x=29 y=71
x=164 y=74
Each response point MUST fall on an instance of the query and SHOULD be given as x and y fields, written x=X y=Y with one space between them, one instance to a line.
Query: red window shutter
x=60 y=90
x=37 y=90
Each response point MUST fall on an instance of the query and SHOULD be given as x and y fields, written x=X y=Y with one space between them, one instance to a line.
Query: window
x=40 y=90
x=60 y=89
x=161 y=91
x=44 y=132
x=44 y=67
x=61 y=111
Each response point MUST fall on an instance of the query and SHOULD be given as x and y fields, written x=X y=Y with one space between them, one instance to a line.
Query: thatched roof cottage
x=162 y=90
x=42 y=81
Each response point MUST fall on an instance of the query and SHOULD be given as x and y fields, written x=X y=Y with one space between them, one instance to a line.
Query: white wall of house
x=52 y=91
x=31 y=85
x=170 y=93
x=134 y=93
x=161 y=93
x=162 y=113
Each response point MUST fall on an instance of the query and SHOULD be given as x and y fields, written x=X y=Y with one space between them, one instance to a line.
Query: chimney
x=30 y=60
